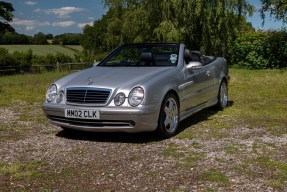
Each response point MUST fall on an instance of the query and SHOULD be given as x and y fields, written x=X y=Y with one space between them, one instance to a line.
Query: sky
x=55 y=16
x=70 y=16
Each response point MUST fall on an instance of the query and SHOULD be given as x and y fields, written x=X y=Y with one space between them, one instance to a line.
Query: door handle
x=207 y=73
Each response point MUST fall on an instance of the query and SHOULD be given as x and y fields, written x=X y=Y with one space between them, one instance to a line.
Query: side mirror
x=194 y=65
x=96 y=63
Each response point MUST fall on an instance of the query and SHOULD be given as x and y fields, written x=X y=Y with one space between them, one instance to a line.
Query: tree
x=49 y=36
x=206 y=25
x=14 y=38
x=6 y=10
x=94 y=39
x=40 y=39
x=278 y=8
x=68 y=39
x=210 y=26
x=261 y=50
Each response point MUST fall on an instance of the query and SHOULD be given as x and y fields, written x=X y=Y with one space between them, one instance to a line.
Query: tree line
x=207 y=25
x=40 y=38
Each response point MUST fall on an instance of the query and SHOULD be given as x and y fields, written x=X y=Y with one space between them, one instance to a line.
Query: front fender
x=157 y=87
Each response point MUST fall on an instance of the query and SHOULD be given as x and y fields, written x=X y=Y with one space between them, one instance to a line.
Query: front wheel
x=168 y=117
x=222 y=96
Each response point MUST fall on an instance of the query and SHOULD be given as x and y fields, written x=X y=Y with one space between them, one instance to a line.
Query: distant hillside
x=45 y=49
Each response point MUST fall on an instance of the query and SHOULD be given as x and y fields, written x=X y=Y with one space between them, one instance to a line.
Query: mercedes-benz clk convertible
x=139 y=88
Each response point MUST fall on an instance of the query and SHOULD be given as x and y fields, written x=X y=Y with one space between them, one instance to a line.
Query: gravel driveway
x=37 y=156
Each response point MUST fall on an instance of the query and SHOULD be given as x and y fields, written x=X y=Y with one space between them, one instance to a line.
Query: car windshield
x=143 y=55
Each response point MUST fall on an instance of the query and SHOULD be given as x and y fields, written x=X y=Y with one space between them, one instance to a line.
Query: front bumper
x=112 y=119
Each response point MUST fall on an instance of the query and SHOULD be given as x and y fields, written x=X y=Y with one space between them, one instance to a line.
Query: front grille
x=87 y=95
x=92 y=123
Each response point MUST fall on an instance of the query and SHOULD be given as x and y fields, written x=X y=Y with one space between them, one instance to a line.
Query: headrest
x=195 y=55
x=187 y=55
x=146 y=56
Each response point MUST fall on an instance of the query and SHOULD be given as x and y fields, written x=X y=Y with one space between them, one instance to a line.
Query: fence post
x=58 y=67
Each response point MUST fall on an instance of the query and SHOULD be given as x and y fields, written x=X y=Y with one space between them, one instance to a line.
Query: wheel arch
x=162 y=130
x=223 y=78
x=172 y=91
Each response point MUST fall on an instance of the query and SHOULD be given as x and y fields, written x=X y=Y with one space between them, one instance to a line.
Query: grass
x=45 y=49
x=76 y=48
x=215 y=176
x=264 y=97
x=187 y=159
x=20 y=170
x=25 y=88
x=173 y=151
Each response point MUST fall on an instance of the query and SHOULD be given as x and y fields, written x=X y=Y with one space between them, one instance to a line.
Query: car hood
x=112 y=77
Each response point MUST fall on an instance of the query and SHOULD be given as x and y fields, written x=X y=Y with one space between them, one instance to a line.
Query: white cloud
x=23 y=22
x=33 y=25
x=17 y=21
x=82 y=25
x=63 y=12
x=29 y=28
x=63 y=24
x=30 y=24
x=31 y=2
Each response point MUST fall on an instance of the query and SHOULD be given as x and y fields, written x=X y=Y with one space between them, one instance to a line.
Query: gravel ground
x=42 y=157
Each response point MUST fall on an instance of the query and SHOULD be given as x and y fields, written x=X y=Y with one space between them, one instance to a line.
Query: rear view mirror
x=194 y=65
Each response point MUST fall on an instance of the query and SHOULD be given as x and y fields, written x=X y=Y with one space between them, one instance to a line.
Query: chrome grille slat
x=87 y=95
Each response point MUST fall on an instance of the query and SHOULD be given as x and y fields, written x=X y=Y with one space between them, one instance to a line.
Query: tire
x=67 y=129
x=64 y=128
x=222 y=96
x=168 y=117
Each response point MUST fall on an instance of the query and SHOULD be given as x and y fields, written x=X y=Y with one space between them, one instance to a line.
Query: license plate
x=82 y=113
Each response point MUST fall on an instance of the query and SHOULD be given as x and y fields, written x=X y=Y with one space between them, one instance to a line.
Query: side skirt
x=189 y=112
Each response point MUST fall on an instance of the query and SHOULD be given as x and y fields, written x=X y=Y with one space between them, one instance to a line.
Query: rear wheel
x=169 y=116
x=222 y=96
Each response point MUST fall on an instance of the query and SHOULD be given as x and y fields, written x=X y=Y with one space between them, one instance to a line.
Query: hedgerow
x=261 y=50
x=19 y=62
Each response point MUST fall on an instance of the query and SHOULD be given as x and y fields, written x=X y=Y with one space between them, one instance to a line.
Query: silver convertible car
x=139 y=88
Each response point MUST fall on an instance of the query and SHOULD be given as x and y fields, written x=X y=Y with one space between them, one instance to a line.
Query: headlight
x=60 y=96
x=51 y=93
x=119 y=99
x=136 y=96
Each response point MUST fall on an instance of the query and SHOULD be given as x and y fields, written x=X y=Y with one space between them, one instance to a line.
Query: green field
x=45 y=49
x=242 y=148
